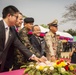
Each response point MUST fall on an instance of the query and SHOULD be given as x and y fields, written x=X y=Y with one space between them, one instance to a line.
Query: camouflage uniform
x=19 y=58
x=51 y=45
x=59 y=48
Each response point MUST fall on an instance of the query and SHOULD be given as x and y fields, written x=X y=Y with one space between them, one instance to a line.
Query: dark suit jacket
x=36 y=44
x=11 y=53
x=13 y=40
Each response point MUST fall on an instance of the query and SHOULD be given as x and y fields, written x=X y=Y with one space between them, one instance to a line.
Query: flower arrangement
x=60 y=67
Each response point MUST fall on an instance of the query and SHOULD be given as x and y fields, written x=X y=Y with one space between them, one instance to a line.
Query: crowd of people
x=18 y=47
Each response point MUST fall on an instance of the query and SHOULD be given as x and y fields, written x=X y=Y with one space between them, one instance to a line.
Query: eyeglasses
x=15 y=16
x=56 y=26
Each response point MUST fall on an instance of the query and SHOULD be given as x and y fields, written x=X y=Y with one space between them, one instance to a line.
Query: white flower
x=31 y=65
x=62 y=70
x=45 y=69
x=51 y=68
x=47 y=62
x=37 y=67
x=41 y=64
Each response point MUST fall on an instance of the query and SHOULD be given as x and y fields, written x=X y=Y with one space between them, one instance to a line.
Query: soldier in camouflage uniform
x=59 y=46
x=50 y=39
x=23 y=34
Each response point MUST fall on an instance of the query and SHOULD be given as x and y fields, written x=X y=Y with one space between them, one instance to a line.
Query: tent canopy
x=63 y=34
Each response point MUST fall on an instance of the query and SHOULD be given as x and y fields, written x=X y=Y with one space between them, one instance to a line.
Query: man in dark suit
x=12 y=50
x=37 y=42
x=8 y=37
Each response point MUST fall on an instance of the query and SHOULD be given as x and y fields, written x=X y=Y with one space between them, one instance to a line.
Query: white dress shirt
x=6 y=32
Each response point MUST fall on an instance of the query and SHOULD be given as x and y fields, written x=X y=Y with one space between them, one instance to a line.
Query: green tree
x=71 y=31
x=24 y=16
x=45 y=26
x=70 y=14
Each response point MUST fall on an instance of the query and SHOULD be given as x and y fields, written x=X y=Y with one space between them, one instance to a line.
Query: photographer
x=73 y=55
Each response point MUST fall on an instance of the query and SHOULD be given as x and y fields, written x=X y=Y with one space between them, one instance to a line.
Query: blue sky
x=43 y=11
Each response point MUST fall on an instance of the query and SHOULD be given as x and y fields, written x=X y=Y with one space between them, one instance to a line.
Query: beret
x=28 y=20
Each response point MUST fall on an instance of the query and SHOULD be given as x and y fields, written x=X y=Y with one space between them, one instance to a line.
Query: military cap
x=54 y=23
x=28 y=20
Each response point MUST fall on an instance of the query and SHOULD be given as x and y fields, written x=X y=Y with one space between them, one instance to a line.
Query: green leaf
x=55 y=74
x=44 y=74
x=65 y=73
x=37 y=73
x=59 y=69
x=30 y=72
x=71 y=73
x=24 y=66
x=26 y=70
x=33 y=72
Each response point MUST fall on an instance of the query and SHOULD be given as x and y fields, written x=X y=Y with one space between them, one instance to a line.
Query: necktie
x=16 y=29
x=39 y=40
x=7 y=34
